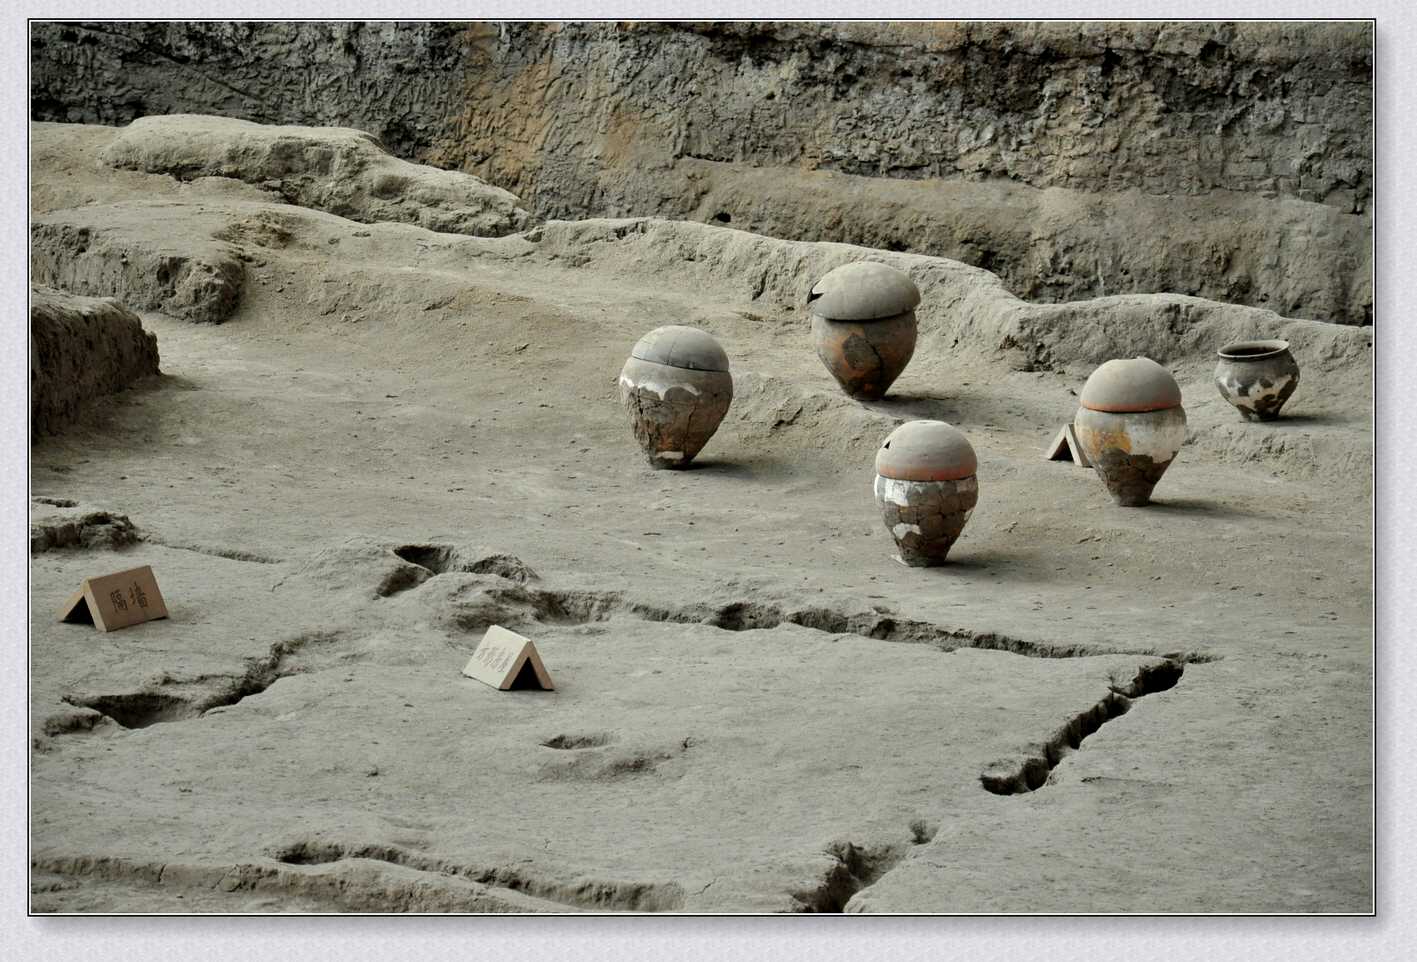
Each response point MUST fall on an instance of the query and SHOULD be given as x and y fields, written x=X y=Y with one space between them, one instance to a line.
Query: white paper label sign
x=505 y=657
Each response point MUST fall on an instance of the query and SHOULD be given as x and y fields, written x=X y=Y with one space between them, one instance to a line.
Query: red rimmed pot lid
x=1131 y=385
x=863 y=291
x=926 y=451
x=675 y=345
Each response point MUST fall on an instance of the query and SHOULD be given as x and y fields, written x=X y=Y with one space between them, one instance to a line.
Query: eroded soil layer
x=1221 y=159
x=81 y=349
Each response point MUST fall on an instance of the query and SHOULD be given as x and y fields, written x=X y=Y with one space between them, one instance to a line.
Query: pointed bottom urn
x=673 y=412
x=927 y=488
x=926 y=518
x=863 y=325
x=676 y=388
x=865 y=357
x=1131 y=451
x=1130 y=425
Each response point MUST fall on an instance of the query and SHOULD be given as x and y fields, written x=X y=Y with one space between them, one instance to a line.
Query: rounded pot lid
x=677 y=346
x=1131 y=384
x=863 y=291
x=1252 y=350
x=926 y=451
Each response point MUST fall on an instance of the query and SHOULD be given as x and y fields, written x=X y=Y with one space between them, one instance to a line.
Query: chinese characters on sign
x=117 y=600
x=503 y=656
x=494 y=659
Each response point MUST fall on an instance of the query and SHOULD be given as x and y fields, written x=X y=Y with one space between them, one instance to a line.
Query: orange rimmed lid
x=1131 y=385
x=926 y=451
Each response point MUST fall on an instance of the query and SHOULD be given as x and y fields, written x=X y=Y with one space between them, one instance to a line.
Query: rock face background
x=1230 y=161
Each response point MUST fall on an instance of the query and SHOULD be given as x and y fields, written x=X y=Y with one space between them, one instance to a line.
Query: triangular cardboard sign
x=116 y=601
x=506 y=660
x=1065 y=447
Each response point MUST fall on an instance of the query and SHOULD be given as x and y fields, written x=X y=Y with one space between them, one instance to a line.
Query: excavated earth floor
x=400 y=437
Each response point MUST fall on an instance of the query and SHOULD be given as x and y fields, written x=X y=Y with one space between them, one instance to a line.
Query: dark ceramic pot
x=1131 y=425
x=863 y=326
x=926 y=486
x=676 y=387
x=1257 y=377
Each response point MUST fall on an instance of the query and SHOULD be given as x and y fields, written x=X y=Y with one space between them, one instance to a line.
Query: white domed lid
x=863 y=291
x=1131 y=384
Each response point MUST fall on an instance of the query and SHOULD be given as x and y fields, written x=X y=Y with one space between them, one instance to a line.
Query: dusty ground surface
x=757 y=708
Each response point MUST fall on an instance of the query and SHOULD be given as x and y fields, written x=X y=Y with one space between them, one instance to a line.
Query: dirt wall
x=81 y=348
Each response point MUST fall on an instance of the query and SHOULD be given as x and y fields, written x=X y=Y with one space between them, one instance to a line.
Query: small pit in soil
x=571 y=742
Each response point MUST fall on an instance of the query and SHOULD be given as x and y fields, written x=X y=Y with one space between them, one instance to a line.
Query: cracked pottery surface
x=397 y=437
x=926 y=487
x=1257 y=377
x=864 y=325
x=676 y=388
x=1131 y=425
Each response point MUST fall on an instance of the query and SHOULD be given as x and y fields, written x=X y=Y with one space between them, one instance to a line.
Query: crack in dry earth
x=854 y=868
x=140 y=709
x=520 y=605
x=349 y=884
x=858 y=867
x=506 y=598
x=1032 y=773
x=578 y=893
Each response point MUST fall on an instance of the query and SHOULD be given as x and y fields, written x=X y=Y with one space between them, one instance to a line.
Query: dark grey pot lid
x=863 y=291
x=677 y=346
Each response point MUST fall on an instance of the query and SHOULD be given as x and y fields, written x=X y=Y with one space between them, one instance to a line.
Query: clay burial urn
x=676 y=387
x=1130 y=425
x=1257 y=377
x=926 y=487
x=863 y=326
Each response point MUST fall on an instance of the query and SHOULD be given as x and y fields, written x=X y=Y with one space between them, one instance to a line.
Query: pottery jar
x=1130 y=425
x=676 y=387
x=863 y=325
x=1257 y=377
x=926 y=487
